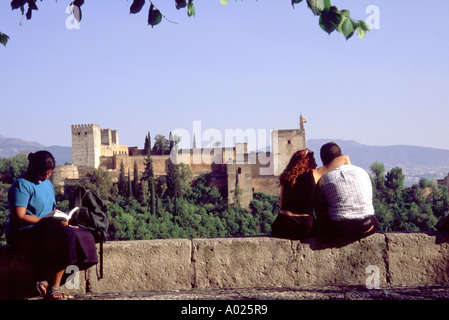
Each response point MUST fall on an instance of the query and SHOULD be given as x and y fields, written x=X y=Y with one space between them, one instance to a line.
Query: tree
x=179 y=179
x=122 y=188
x=330 y=17
x=148 y=174
x=161 y=145
x=13 y=167
x=130 y=185
x=136 y=189
x=378 y=169
x=147 y=144
x=399 y=208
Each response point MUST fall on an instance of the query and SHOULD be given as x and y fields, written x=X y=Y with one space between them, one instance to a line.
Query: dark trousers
x=345 y=231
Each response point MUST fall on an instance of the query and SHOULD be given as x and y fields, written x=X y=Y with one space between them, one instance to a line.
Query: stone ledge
x=182 y=264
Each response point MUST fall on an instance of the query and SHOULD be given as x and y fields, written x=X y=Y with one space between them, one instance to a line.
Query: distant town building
x=444 y=182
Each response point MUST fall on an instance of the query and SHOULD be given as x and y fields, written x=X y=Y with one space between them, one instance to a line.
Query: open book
x=58 y=214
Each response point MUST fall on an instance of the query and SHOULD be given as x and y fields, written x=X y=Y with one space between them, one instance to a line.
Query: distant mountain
x=410 y=158
x=9 y=147
x=403 y=156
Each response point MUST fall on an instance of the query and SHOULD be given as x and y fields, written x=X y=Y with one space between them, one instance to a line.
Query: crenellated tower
x=285 y=143
x=86 y=145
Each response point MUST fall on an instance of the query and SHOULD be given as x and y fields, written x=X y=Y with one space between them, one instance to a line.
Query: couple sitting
x=341 y=195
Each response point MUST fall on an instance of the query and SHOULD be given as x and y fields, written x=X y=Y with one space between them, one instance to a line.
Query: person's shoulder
x=20 y=181
x=355 y=169
x=47 y=184
x=21 y=184
x=328 y=176
x=350 y=167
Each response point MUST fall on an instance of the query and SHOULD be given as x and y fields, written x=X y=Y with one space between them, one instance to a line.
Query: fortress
x=226 y=167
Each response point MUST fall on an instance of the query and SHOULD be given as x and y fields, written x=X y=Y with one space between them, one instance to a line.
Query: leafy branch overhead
x=330 y=17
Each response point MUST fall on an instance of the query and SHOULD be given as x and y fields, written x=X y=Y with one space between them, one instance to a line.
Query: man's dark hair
x=329 y=152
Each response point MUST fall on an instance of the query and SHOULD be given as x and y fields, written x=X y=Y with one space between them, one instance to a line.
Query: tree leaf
x=78 y=3
x=154 y=16
x=181 y=4
x=190 y=9
x=32 y=5
x=29 y=13
x=348 y=28
x=4 y=39
x=345 y=13
x=136 y=6
x=317 y=6
x=15 y=4
x=361 y=29
x=224 y=2
x=330 y=19
x=360 y=32
x=295 y=2
x=364 y=25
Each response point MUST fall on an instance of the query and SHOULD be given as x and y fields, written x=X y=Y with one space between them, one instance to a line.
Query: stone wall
x=159 y=265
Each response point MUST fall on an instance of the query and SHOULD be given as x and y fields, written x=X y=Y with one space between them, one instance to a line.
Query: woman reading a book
x=52 y=243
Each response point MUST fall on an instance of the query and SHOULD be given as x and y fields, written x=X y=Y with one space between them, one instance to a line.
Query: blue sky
x=251 y=65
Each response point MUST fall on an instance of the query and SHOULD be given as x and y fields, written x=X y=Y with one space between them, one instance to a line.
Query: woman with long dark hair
x=53 y=245
x=298 y=183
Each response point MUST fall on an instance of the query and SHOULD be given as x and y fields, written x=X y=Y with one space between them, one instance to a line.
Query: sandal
x=41 y=287
x=55 y=293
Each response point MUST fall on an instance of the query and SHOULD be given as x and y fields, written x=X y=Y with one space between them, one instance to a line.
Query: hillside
x=11 y=146
x=404 y=156
x=415 y=161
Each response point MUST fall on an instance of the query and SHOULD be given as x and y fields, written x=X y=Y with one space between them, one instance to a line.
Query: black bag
x=443 y=224
x=92 y=215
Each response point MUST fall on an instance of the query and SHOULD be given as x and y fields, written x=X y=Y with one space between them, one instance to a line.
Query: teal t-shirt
x=37 y=198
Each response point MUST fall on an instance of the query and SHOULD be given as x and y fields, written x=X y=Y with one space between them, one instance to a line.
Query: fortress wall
x=60 y=173
x=266 y=184
x=182 y=264
x=160 y=164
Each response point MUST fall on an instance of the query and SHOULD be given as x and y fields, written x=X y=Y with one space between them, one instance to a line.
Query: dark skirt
x=53 y=247
x=292 y=227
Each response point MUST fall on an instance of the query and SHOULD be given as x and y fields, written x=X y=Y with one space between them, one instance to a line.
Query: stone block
x=241 y=262
x=350 y=264
x=17 y=277
x=146 y=265
x=418 y=257
x=265 y=262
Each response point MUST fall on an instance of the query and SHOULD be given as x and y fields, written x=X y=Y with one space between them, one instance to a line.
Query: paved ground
x=262 y=303
x=410 y=292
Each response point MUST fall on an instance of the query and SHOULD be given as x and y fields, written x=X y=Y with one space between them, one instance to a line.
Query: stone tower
x=239 y=176
x=86 y=145
x=285 y=143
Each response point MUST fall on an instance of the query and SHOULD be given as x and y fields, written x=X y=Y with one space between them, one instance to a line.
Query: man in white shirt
x=344 y=203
